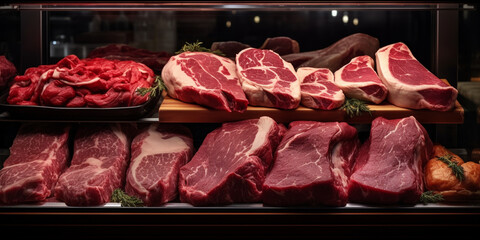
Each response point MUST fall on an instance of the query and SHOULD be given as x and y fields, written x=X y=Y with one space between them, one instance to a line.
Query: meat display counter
x=440 y=34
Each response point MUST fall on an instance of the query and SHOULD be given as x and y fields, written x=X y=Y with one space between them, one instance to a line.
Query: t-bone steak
x=312 y=165
x=158 y=152
x=359 y=80
x=231 y=164
x=409 y=83
x=38 y=156
x=205 y=79
x=99 y=163
x=267 y=79
x=318 y=89
x=389 y=167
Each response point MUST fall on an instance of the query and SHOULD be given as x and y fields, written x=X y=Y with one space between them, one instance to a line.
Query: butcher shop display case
x=290 y=119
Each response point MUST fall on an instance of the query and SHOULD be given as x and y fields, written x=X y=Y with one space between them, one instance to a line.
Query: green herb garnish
x=456 y=169
x=157 y=87
x=354 y=107
x=430 y=197
x=125 y=200
x=196 y=47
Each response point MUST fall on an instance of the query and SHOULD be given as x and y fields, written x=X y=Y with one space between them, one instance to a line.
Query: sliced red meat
x=206 y=79
x=318 y=89
x=38 y=156
x=158 y=152
x=389 y=167
x=100 y=159
x=409 y=83
x=312 y=165
x=267 y=79
x=230 y=165
x=359 y=80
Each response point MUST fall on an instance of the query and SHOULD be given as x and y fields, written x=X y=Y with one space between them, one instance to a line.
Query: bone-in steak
x=158 y=152
x=312 y=165
x=267 y=79
x=409 y=83
x=388 y=169
x=231 y=164
x=206 y=79
x=318 y=89
x=359 y=80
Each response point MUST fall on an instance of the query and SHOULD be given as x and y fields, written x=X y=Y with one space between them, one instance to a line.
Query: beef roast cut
x=38 y=156
x=359 y=80
x=409 y=83
x=100 y=160
x=389 y=167
x=318 y=89
x=231 y=164
x=267 y=79
x=158 y=152
x=312 y=165
x=206 y=79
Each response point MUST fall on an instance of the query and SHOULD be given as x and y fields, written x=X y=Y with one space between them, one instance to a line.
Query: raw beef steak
x=409 y=83
x=318 y=89
x=336 y=55
x=231 y=163
x=267 y=79
x=38 y=156
x=358 y=80
x=312 y=165
x=206 y=79
x=7 y=71
x=158 y=152
x=99 y=163
x=388 y=169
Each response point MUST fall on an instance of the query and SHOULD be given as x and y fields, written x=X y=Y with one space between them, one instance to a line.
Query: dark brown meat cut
x=336 y=55
x=281 y=45
x=7 y=71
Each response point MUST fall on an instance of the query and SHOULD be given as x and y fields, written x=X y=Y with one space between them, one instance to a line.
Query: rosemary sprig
x=430 y=197
x=157 y=87
x=120 y=196
x=456 y=169
x=354 y=107
x=196 y=47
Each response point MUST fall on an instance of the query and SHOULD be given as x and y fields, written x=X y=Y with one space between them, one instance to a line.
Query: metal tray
x=81 y=114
